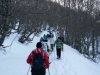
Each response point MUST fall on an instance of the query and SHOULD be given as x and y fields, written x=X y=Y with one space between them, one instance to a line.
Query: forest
x=77 y=20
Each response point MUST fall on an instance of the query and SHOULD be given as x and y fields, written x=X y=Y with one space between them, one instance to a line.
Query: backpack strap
x=42 y=53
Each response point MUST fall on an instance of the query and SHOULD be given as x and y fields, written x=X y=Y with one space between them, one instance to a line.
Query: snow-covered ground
x=71 y=62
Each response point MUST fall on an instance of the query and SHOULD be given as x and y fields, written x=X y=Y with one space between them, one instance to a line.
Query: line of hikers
x=39 y=57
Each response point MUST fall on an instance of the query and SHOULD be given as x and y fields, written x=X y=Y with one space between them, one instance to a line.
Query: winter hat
x=39 y=45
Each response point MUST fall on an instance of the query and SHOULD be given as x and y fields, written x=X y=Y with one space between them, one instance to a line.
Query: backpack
x=37 y=61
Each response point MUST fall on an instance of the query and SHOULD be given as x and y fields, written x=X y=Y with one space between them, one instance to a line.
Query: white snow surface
x=71 y=62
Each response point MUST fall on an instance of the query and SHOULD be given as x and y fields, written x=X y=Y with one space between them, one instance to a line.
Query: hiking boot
x=57 y=57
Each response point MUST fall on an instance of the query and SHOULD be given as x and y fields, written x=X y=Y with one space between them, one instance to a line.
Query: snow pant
x=38 y=72
x=58 y=50
x=52 y=46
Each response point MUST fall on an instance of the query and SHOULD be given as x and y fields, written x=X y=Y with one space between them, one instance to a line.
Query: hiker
x=44 y=47
x=62 y=39
x=45 y=38
x=58 y=44
x=51 y=40
x=38 y=69
x=48 y=36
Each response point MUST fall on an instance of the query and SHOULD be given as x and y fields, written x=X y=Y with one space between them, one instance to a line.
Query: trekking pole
x=48 y=71
x=28 y=70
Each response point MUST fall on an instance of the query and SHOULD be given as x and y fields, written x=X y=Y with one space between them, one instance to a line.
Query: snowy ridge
x=71 y=62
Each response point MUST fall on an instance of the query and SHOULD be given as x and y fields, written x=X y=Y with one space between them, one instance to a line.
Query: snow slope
x=71 y=62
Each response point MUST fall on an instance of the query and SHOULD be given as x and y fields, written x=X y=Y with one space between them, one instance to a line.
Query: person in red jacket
x=45 y=57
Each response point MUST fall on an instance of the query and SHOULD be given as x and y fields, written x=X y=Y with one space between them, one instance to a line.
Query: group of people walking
x=39 y=58
x=45 y=39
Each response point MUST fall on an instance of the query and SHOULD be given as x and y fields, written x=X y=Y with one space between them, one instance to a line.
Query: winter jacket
x=44 y=47
x=45 y=57
x=58 y=43
x=45 y=38
x=51 y=40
